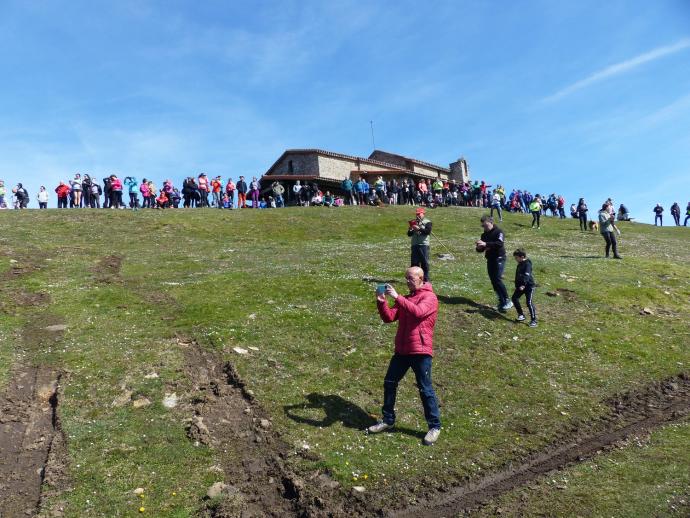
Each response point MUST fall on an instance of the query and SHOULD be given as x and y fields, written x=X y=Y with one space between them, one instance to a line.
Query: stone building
x=329 y=169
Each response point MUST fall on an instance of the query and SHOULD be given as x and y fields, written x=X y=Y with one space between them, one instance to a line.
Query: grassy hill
x=292 y=291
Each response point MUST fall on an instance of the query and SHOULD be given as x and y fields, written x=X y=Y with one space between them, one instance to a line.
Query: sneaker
x=617 y=257
x=520 y=318
x=507 y=306
x=533 y=323
x=379 y=427
x=432 y=436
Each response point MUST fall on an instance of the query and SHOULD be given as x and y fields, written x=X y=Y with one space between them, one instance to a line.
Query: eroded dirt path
x=28 y=429
x=227 y=417
x=631 y=414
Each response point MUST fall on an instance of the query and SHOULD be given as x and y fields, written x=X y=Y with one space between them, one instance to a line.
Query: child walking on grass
x=524 y=285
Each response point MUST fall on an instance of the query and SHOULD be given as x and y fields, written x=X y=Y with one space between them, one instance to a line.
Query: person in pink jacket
x=414 y=347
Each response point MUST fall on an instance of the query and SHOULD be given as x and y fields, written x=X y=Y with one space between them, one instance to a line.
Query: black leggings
x=536 y=215
x=529 y=293
x=583 y=221
x=420 y=257
x=610 y=239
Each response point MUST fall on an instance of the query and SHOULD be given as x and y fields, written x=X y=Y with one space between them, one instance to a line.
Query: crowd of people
x=84 y=191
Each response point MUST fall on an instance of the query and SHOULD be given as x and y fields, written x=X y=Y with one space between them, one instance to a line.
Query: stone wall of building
x=428 y=171
x=338 y=168
x=301 y=164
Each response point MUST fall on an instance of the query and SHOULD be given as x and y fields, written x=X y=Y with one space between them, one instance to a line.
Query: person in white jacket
x=42 y=198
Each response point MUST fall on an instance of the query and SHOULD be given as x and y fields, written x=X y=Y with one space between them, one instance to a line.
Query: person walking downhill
x=658 y=217
x=416 y=314
x=420 y=232
x=675 y=212
x=607 y=228
x=492 y=243
x=524 y=285
x=582 y=214
x=535 y=207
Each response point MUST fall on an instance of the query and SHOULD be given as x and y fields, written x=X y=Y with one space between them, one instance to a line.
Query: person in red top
x=416 y=315
x=216 y=188
x=62 y=191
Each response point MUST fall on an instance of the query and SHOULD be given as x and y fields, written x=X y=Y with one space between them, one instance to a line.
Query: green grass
x=298 y=286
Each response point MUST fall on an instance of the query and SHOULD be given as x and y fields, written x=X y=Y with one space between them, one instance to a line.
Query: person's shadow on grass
x=485 y=311
x=338 y=410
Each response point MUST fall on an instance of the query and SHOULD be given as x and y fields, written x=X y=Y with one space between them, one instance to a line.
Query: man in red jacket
x=416 y=315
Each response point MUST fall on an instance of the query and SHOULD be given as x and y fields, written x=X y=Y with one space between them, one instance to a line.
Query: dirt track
x=28 y=429
x=632 y=414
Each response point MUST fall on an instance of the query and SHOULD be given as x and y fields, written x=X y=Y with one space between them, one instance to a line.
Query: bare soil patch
x=107 y=270
x=29 y=432
x=226 y=413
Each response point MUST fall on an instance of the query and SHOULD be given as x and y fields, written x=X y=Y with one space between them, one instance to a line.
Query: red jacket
x=416 y=315
x=62 y=191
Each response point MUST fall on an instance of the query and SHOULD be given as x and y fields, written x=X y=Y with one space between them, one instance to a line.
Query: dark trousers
x=676 y=218
x=495 y=267
x=528 y=292
x=660 y=219
x=62 y=202
x=133 y=200
x=610 y=239
x=421 y=366
x=685 y=223
x=536 y=215
x=583 y=221
x=420 y=257
x=42 y=205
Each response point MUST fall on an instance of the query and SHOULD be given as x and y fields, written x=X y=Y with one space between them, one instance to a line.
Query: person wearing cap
x=420 y=232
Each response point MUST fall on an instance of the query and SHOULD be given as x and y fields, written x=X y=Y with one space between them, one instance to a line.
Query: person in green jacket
x=535 y=207
x=420 y=232
x=608 y=230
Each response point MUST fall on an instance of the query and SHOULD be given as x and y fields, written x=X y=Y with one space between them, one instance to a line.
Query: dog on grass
x=593 y=225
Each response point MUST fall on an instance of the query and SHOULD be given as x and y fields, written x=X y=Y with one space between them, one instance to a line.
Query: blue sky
x=580 y=98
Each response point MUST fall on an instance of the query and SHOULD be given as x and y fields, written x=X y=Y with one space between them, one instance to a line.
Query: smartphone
x=380 y=289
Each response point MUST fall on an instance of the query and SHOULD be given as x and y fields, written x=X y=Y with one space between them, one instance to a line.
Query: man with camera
x=416 y=315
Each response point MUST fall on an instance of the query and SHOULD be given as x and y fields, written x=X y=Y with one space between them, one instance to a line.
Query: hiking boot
x=617 y=257
x=379 y=427
x=507 y=306
x=432 y=436
x=520 y=318
x=533 y=323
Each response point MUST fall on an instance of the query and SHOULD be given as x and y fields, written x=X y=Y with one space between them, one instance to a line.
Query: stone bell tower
x=460 y=171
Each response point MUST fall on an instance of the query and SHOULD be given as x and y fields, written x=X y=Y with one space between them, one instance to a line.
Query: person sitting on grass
x=524 y=285
x=328 y=199
x=162 y=200
x=416 y=315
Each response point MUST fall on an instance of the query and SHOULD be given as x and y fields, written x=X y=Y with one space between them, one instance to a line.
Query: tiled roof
x=415 y=161
x=336 y=155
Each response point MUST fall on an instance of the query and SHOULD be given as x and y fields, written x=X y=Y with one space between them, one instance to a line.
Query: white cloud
x=620 y=68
